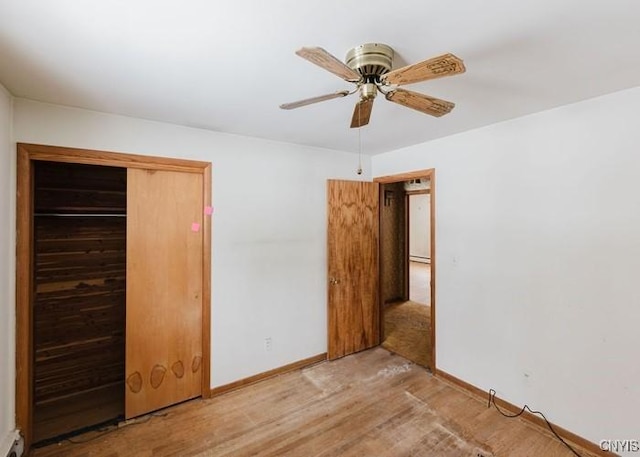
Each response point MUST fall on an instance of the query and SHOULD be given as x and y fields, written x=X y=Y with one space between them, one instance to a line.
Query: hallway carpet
x=407 y=329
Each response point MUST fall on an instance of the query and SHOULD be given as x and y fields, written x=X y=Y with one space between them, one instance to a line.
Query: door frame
x=429 y=174
x=29 y=153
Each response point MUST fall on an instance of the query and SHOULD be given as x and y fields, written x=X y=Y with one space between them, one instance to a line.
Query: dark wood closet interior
x=79 y=296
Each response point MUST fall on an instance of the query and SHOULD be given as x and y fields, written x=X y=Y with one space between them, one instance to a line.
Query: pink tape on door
x=195 y=227
x=208 y=210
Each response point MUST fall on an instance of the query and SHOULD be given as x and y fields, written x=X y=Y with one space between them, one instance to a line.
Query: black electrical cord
x=492 y=400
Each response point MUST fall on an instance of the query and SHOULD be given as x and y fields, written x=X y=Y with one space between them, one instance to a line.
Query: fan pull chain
x=359 y=170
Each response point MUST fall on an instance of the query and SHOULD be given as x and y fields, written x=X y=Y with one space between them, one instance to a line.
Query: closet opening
x=79 y=297
x=113 y=287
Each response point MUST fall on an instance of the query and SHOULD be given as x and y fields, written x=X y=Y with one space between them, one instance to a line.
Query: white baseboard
x=6 y=445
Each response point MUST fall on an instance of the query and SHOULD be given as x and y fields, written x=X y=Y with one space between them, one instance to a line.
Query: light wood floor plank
x=372 y=403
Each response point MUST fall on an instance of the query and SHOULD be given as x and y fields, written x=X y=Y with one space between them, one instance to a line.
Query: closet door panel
x=164 y=289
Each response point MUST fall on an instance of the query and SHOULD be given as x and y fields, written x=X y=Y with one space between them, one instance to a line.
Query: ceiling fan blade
x=309 y=101
x=361 y=113
x=428 y=105
x=437 y=67
x=329 y=62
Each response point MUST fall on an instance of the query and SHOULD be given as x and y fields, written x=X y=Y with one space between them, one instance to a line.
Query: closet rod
x=79 y=215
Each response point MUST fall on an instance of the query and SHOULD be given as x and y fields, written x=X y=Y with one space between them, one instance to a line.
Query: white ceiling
x=226 y=66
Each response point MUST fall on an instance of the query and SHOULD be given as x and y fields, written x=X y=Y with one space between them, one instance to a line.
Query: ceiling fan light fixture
x=368 y=91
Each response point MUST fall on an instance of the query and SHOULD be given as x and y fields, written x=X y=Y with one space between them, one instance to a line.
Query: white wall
x=538 y=260
x=525 y=304
x=7 y=274
x=419 y=226
x=269 y=240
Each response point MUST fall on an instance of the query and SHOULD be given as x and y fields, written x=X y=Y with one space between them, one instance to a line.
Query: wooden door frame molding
x=27 y=154
x=429 y=174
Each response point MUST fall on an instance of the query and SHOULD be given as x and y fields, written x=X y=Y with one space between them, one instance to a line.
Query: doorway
x=407 y=324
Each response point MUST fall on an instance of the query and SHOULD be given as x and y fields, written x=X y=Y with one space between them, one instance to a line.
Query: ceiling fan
x=368 y=66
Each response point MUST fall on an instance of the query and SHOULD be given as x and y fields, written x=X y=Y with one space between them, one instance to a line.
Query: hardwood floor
x=368 y=404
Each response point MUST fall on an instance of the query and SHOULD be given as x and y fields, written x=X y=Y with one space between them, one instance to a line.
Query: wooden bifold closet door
x=164 y=289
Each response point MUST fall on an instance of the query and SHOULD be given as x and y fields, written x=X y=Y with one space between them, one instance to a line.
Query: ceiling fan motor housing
x=371 y=60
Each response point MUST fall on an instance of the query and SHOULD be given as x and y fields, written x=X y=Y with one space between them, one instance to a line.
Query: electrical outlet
x=268 y=344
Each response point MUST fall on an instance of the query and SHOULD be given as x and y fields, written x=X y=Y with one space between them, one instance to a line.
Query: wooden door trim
x=28 y=153
x=206 y=285
x=111 y=159
x=429 y=174
x=24 y=316
x=388 y=179
x=407 y=252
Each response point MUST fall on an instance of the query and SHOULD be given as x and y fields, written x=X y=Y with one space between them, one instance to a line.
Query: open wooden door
x=164 y=289
x=353 y=313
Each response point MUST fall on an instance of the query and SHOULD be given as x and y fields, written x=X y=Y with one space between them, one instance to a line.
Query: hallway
x=407 y=325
